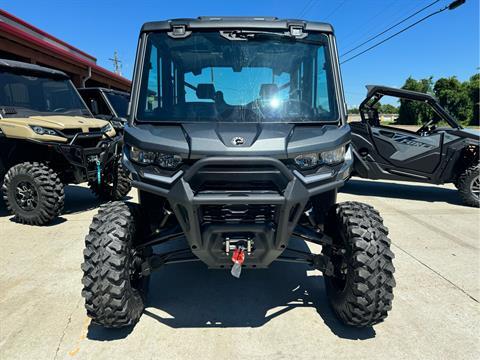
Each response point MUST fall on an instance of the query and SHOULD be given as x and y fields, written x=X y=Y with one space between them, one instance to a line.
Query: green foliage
x=387 y=109
x=455 y=98
x=460 y=99
x=414 y=112
x=473 y=88
x=353 y=111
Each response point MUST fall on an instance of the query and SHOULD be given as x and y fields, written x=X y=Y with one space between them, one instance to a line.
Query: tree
x=414 y=112
x=455 y=97
x=388 y=109
x=473 y=87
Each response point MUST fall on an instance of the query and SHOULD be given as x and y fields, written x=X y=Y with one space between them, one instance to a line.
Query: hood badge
x=238 y=140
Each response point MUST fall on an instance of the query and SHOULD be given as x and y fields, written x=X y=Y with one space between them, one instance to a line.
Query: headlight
x=167 y=161
x=333 y=156
x=311 y=160
x=307 y=161
x=142 y=157
x=106 y=128
x=43 y=131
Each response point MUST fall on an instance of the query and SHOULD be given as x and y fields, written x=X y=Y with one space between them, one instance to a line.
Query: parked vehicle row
x=237 y=140
x=49 y=138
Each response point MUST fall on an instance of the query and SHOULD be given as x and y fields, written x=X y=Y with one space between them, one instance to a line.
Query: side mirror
x=94 y=106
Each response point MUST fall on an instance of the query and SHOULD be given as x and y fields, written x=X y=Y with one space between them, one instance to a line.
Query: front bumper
x=276 y=212
x=89 y=160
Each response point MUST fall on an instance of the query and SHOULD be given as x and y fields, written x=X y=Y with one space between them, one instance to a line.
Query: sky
x=445 y=45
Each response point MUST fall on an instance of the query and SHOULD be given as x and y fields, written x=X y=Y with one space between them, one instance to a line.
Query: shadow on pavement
x=401 y=191
x=191 y=296
x=99 y=333
x=78 y=199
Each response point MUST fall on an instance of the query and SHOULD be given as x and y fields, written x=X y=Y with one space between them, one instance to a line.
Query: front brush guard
x=272 y=239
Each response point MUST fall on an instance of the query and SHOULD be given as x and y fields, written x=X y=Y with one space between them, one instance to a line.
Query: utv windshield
x=119 y=103
x=223 y=77
x=28 y=95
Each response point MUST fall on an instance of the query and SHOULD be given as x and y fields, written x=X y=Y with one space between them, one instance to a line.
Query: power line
x=390 y=28
x=305 y=8
x=452 y=6
x=369 y=21
x=336 y=9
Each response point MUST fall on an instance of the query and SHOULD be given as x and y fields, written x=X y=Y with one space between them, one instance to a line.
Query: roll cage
x=376 y=92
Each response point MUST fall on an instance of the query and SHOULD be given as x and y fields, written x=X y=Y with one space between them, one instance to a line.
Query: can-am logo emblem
x=238 y=140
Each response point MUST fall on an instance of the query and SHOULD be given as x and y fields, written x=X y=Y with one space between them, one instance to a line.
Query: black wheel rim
x=339 y=259
x=26 y=196
x=475 y=187
x=135 y=270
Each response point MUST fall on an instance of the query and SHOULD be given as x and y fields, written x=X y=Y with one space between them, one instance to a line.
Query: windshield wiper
x=246 y=35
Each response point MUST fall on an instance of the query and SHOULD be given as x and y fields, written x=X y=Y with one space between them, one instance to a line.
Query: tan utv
x=49 y=138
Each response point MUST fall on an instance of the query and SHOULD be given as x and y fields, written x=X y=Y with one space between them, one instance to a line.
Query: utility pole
x=117 y=63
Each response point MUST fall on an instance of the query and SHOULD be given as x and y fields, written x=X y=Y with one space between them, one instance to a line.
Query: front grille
x=70 y=132
x=88 y=142
x=238 y=214
x=95 y=129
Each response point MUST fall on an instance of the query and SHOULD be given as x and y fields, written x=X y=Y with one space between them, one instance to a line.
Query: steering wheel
x=289 y=107
x=426 y=129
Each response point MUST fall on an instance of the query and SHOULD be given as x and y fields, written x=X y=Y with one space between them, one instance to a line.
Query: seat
x=205 y=91
x=267 y=91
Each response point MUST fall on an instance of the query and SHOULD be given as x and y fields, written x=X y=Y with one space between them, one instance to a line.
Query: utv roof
x=234 y=22
x=373 y=90
x=22 y=67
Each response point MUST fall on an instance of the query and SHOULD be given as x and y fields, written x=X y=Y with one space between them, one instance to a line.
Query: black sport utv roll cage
x=376 y=92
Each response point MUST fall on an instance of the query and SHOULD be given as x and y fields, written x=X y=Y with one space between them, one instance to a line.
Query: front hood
x=65 y=122
x=195 y=141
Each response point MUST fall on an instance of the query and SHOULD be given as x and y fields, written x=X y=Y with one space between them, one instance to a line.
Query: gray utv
x=237 y=142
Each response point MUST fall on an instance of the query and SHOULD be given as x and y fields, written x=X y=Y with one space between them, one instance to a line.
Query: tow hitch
x=238 y=258
x=240 y=247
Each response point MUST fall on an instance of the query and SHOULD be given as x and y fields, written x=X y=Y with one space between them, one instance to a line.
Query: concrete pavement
x=279 y=313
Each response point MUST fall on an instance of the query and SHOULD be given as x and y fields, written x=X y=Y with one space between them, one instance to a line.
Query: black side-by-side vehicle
x=439 y=152
x=107 y=104
x=237 y=142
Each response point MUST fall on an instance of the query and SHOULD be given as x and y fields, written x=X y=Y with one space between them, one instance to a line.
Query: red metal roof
x=12 y=25
x=21 y=22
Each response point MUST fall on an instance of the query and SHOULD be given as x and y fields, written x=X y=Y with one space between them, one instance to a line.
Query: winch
x=240 y=248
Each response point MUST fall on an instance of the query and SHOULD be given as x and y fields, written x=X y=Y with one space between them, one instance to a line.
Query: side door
x=407 y=150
